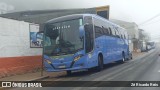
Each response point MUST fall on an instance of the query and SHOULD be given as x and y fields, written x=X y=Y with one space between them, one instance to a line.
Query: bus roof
x=75 y=16
x=69 y=17
x=64 y=18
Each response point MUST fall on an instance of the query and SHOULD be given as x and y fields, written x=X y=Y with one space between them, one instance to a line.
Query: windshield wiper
x=58 y=54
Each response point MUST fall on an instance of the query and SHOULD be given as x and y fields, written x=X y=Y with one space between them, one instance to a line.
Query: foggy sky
x=21 y=5
x=137 y=11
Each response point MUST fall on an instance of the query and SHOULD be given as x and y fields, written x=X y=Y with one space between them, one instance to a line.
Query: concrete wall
x=130 y=46
x=16 y=56
x=14 y=37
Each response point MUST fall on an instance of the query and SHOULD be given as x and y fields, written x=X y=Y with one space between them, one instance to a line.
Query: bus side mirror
x=81 y=31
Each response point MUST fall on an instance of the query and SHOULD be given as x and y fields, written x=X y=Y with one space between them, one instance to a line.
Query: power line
x=155 y=37
x=151 y=23
x=150 y=19
x=142 y=24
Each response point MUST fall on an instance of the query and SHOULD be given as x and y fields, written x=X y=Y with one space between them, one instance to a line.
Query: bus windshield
x=62 y=38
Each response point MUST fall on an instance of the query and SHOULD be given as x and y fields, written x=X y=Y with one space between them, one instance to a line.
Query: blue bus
x=83 y=41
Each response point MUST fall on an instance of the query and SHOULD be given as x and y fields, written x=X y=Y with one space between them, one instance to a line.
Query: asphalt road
x=143 y=68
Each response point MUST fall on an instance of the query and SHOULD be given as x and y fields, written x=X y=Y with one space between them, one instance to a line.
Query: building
x=41 y=16
x=144 y=39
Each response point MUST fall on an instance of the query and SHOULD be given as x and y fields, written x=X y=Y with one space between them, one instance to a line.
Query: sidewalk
x=32 y=76
x=138 y=54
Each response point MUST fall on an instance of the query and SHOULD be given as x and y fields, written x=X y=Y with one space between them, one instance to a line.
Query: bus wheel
x=100 y=63
x=69 y=72
x=131 y=57
x=123 y=59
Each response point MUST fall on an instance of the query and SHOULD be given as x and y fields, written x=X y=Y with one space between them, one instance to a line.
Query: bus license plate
x=62 y=66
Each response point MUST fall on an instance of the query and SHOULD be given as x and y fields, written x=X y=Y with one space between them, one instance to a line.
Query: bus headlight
x=77 y=57
x=49 y=62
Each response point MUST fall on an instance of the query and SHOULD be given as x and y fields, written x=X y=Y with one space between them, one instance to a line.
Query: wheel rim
x=123 y=59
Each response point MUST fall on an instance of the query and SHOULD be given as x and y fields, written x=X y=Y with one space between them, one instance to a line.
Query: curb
x=39 y=78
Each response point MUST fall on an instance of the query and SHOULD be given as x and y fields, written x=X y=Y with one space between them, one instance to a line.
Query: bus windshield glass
x=62 y=38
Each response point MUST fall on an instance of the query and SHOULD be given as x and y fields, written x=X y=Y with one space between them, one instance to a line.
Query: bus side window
x=113 y=31
x=110 y=31
x=98 y=28
x=101 y=30
x=98 y=31
x=122 y=34
x=118 y=33
x=105 y=28
x=125 y=35
x=106 y=31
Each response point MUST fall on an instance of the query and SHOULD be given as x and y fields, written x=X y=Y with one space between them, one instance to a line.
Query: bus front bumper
x=50 y=69
x=66 y=66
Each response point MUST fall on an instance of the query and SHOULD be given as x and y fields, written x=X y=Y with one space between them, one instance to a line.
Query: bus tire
x=69 y=72
x=123 y=59
x=100 y=63
x=131 y=57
